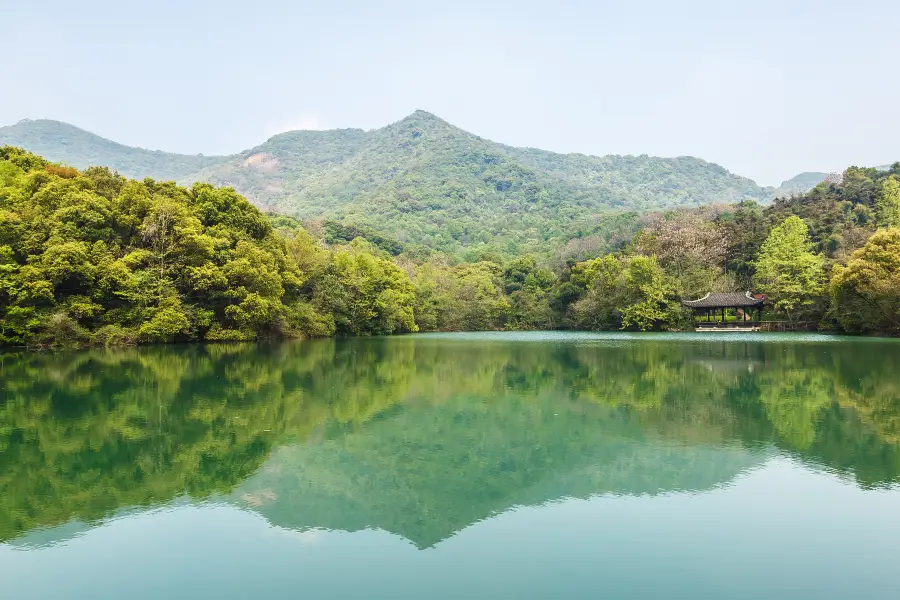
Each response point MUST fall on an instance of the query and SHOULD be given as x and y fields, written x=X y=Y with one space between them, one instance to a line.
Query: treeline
x=90 y=257
x=829 y=258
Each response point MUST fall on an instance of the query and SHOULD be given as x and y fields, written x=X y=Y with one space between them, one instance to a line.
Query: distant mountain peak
x=424 y=114
x=423 y=118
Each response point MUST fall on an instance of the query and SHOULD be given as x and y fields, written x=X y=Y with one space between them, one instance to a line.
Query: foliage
x=788 y=270
x=91 y=257
x=626 y=293
x=107 y=260
x=338 y=233
x=841 y=212
x=688 y=245
x=887 y=203
x=419 y=182
x=866 y=293
x=365 y=293
x=468 y=297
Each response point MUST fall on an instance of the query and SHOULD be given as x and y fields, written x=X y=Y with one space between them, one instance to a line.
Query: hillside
x=421 y=179
x=799 y=184
x=61 y=142
x=805 y=182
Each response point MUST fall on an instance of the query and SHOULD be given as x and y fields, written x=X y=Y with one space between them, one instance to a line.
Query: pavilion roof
x=725 y=300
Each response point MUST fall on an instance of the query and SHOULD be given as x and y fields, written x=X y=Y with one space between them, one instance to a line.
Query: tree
x=653 y=292
x=367 y=294
x=888 y=202
x=90 y=257
x=690 y=247
x=628 y=293
x=745 y=231
x=788 y=269
x=866 y=293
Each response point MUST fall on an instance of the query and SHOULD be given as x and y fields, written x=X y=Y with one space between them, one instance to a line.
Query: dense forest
x=91 y=257
x=420 y=180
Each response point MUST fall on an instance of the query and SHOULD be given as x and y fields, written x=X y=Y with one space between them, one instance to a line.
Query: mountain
x=799 y=184
x=804 y=182
x=61 y=142
x=421 y=180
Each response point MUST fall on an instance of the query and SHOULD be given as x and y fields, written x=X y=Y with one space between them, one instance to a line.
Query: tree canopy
x=866 y=292
x=91 y=257
x=788 y=268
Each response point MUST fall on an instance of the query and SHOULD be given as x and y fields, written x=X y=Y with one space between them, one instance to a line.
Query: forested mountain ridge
x=81 y=149
x=420 y=179
x=803 y=183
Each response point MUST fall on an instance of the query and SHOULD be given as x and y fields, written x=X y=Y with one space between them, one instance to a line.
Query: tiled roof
x=726 y=300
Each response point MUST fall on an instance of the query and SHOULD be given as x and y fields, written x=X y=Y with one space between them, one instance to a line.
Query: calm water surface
x=455 y=466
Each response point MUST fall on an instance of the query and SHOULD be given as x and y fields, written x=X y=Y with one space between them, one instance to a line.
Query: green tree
x=866 y=293
x=366 y=293
x=628 y=293
x=788 y=269
x=653 y=292
x=888 y=202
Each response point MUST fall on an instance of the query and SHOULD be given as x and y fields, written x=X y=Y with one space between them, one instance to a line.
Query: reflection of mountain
x=423 y=435
x=426 y=472
x=51 y=536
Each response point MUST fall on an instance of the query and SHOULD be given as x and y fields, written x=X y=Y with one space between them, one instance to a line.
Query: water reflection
x=425 y=435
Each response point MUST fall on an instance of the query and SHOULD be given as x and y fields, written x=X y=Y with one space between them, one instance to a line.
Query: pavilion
x=714 y=303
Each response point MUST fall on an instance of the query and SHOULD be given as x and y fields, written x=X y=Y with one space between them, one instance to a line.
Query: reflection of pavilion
x=713 y=304
x=730 y=365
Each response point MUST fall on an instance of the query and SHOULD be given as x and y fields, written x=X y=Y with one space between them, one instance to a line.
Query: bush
x=302 y=319
x=167 y=325
x=115 y=335
x=218 y=334
x=62 y=331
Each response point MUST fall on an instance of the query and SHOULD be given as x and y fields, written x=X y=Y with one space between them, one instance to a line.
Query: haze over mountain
x=421 y=179
x=799 y=184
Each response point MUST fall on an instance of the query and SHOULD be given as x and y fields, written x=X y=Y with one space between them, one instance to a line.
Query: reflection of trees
x=391 y=427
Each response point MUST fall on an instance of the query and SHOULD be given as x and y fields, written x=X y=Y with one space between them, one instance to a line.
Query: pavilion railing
x=787 y=326
x=767 y=326
x=726 y=324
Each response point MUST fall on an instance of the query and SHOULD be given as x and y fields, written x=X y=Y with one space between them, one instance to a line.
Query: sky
x=766 y=88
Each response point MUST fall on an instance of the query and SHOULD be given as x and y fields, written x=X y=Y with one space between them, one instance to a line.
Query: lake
x=490 y=465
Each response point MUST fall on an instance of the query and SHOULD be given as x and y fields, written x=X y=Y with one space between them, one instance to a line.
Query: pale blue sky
x=767 y=88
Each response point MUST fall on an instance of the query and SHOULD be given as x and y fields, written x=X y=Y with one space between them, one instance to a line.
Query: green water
x=541 y=465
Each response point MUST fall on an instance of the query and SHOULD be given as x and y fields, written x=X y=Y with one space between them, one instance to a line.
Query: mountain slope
x=421 y=179
x=804 y=182
x=61 y=142
x=799 y=184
